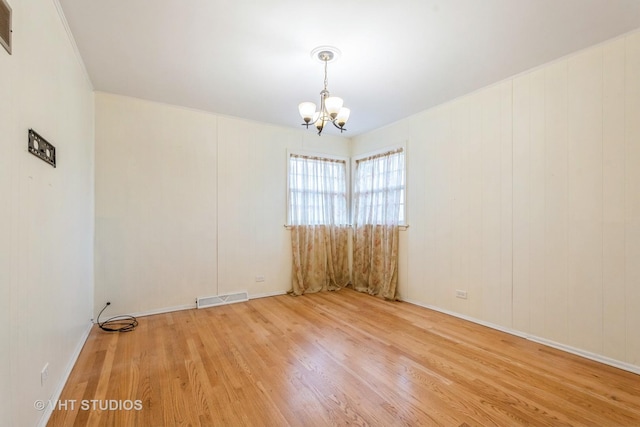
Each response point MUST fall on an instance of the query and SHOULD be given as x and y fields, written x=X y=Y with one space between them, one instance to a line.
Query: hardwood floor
x=335 y=358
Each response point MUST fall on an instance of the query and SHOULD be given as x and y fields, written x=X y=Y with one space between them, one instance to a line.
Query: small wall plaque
x=40 y=147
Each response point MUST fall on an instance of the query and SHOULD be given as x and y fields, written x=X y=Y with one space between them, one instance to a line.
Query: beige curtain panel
x=320 y=258
x=375 y=260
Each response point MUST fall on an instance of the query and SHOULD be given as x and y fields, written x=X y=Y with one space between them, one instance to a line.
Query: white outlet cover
x=461 y=294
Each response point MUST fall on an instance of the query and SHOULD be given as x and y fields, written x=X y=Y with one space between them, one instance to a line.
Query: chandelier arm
x=342 y=129
x=321 y=119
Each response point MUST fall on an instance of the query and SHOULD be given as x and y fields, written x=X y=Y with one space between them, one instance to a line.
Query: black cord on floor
x=117 y=323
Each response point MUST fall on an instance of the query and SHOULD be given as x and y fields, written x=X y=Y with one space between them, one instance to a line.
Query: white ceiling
x=251 y=59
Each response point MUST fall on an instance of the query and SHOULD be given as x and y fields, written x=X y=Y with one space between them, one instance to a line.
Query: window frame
x=347 y=163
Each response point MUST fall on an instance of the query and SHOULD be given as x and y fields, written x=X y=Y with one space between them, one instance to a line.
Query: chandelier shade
x=307 y=110
x=343 y=116
x=333 y=104
x=331 y=107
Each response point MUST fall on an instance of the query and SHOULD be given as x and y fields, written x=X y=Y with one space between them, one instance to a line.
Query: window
x=379 y=188
x=317 y=190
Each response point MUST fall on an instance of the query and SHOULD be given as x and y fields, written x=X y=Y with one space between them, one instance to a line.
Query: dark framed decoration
x=5 y=25
x=41 y=148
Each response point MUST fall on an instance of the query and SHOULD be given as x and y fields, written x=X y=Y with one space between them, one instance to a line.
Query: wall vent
x=222 y=299
x=5 y=25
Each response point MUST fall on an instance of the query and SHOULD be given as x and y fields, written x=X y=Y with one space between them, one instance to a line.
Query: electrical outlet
x=461 y=294
x=44 y=374
x=259 y=278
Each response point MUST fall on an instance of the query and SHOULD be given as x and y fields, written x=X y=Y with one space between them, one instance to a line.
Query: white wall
x=527 y=195
x=46 y=214
x=190 y=204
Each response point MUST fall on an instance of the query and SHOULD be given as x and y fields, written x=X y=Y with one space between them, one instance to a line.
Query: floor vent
x=222 y=299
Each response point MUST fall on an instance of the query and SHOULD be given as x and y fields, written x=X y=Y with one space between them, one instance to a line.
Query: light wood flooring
x=337 y=358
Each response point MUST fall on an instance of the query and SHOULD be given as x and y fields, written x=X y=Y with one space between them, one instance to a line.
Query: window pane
x=317 y=191
x=379 y=189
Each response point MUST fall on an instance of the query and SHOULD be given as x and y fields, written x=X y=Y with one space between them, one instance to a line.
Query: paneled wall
x=526 y=195
x=576 y=165
x=155 y=204
x=190 y=204
x=46 y=213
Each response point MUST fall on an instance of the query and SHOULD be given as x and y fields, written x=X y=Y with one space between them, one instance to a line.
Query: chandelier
x=331 y=109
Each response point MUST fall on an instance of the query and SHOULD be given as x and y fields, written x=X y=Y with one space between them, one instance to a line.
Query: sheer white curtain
x=318 y=219
x=379 y=200
x=317 y=191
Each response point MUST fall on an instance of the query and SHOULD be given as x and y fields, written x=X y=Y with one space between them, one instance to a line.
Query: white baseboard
x=65 y=376
x=587 y=354
x=148 y=312
x=185 y=307
x=162 y=310
x=268 y=294
x=569 y=349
